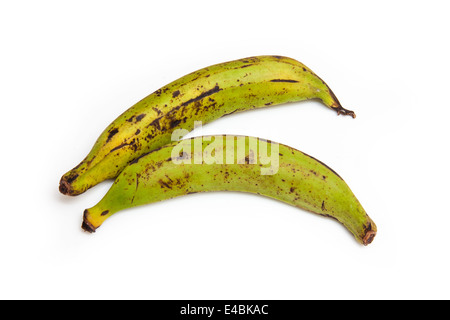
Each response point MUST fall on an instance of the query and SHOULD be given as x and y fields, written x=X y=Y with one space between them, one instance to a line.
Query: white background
x=68 y=69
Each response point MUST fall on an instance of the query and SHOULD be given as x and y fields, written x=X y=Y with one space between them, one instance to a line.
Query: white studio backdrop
x=68 y=69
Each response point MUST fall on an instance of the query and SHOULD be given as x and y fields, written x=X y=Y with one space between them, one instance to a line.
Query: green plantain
x=204 y=95
x=234 y=163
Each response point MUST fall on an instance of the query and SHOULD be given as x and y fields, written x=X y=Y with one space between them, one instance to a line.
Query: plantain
x=234 y=163
x=204 y=95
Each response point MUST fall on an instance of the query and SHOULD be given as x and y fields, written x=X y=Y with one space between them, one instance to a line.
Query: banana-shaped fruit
x=204 y=95
x=234 y=163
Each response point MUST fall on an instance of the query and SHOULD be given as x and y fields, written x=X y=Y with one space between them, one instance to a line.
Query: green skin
x=300 y=180
x=204 y=95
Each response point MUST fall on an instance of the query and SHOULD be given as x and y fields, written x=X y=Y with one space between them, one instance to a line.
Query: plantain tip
x=86 y=225
x=340 y=110
x=65 y=187
x=368 y=238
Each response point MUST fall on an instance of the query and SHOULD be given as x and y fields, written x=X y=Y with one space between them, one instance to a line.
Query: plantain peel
x=234 y=163
x=204 y=95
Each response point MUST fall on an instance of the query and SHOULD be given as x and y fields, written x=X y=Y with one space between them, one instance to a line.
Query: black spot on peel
x=201 y=96
x=155 y=123
x=71 y=178
x=284 y=80
x=132 y=143
x=136 y=118
x=246 y=65
x=140 y=117
x=112 y=133
x=159 y=112
x=175 y=123
x=175 y=94
x=118 y=147
x=104 y=213
x=137 y=159
x=137 y=132
x=168 y=178
x=323 y=206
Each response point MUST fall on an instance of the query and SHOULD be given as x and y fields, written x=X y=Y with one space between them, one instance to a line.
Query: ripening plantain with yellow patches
x=204 y=95
x=234 y=163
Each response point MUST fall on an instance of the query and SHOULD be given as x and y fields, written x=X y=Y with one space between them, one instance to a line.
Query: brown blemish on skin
x=164 y=184
x=104 y=213
x=227 y=114
x=328 y=216
x=175 y=94
x=324 y=165
x=323 y=206
x=137 y=132
x=137 y=185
